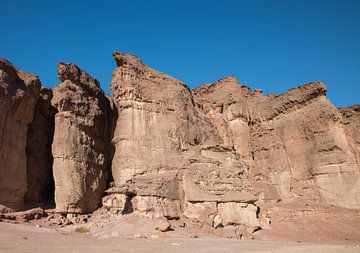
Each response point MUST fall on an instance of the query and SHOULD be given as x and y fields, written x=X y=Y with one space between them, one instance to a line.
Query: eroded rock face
x=82 y=137
x=169 y=153
x=295 y=143
x=222 y=155
x=18 y=95
x=157 y=130
x=351 y=121
x=40 y=183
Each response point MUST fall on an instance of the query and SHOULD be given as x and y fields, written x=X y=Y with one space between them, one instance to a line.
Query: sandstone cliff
x=170 y=158
x=81 y=145
x=220 y=155
x=18 y=95
x=295 y=143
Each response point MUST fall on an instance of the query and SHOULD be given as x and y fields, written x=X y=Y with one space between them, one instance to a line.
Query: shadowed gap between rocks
x=39 y=159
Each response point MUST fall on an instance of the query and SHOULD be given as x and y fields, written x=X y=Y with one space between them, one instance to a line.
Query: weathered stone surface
x=226 y=144
x=155 y=207
x=153 y=109
x=162 y=225
x=116 y=202
x=200 y=211
x=18 y=95
x=81 y=146
x=165 y=145
x=40 y=182
x=157 y=126
x=304 y=152
x=238 y=213
x=351 y=121
x=217 y=174
x=162 y=183
x=294 y=143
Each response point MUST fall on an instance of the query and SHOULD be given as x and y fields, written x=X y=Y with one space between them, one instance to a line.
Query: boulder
x=116 y=202
x=238 y=213
x=82 y=141
x=200 y=211
x=19 y=93
x=155 y=207
x=162 y=225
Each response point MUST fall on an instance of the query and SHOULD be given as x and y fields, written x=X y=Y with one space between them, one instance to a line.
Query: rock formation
x=219 y=152
x=220 y=155
x=40 y=183
x=81 y=146
x=168 y=153
x=18 y=95
x=295 y=143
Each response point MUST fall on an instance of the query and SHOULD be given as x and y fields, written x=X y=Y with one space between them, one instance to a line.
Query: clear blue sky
x=271 y=44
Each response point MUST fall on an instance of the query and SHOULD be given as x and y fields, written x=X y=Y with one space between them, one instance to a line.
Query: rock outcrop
x=40 y=183
x=220 y=152
x=295 y=143
x=169 y=154
x=82 y=141
x=19 y=92
x=221 y=156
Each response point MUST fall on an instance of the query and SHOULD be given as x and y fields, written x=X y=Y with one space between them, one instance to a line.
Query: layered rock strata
x=18 y=95
x=81 y=147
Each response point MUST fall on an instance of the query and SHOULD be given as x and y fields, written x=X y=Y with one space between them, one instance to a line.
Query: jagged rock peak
x=7 y=71
x=228 y=79
x=130 y=68
x=227 y=86
x=125 y=59
x=76 y=75
x=316 y=88
x=349 y=110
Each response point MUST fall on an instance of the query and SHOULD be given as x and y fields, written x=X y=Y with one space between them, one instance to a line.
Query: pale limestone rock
x=81 y=146
x=200 y=211
x=116 y=202
x=155 y=207
x=217 y=221
x=19 y=92
x=238 y=213
x=162 y=225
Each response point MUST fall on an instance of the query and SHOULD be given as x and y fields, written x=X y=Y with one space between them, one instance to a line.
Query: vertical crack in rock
x=19 y=92
x=40 y=182
x=81 y=146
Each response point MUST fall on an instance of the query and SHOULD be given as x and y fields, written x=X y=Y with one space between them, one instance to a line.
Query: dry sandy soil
x=134 y=234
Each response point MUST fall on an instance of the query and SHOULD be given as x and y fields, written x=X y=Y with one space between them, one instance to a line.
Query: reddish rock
x=19 y=92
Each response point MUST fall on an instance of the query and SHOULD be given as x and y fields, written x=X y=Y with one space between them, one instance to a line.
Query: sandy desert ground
x=138 y=235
